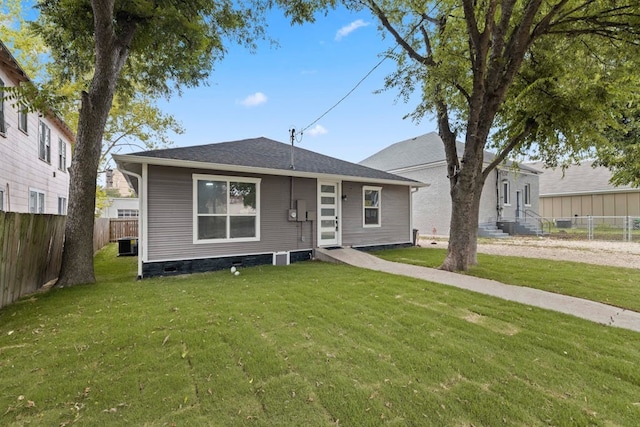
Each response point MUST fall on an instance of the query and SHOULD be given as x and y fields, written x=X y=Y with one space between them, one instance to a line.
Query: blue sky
x=267 y=92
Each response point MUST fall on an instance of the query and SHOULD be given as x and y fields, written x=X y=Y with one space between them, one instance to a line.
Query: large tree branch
x=413 y=54
x=529 y=127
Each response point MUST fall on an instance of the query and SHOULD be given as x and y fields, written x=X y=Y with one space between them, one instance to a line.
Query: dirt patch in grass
x=616 y=254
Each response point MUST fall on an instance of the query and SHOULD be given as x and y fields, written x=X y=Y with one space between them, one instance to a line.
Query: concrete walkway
x=594 y=311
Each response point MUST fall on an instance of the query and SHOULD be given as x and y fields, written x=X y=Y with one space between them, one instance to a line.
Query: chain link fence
x=607 y=228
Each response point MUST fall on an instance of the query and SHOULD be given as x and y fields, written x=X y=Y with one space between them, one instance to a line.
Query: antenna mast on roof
x=293 y=135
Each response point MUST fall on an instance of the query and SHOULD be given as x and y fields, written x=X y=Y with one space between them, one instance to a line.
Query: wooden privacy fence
x=120 y=228
x=31 y=253
x=31 y=248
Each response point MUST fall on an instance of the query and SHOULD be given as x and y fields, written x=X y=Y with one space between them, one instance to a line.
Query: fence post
x=590 y=227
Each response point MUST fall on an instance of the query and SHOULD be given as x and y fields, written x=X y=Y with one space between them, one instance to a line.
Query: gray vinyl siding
x=395 y=216
x=170 y=216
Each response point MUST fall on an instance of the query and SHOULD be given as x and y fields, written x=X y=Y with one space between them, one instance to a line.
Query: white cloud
x=317 y=131
x=348 y=29
x=254 y=100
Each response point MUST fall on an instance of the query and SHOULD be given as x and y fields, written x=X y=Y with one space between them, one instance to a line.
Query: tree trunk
x=77 y=257
x=111 y=54
x=466 y=190
x=463 y=234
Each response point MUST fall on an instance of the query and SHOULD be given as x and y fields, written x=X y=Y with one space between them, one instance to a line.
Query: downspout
x=497 y=195
x=141 y=217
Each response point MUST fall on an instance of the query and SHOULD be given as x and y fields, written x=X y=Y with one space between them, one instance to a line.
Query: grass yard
x=309 y=344
x=610 y=285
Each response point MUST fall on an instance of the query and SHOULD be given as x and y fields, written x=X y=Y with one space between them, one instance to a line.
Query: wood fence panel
x=100 y=233
x=121 y=228
x=31 y=253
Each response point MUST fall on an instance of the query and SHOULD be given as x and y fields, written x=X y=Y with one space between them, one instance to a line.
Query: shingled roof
x=422 y=150
x=261 y=155
x=577 y=179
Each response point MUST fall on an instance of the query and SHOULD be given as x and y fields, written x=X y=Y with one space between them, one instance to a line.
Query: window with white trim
x=62 y=155
x=371 y=206
x=1 y=200
x=23 y=118
x=128 y=213
x=527 y=194
x=226 y=208
x=3 y=125
x=506 y=198
x=44 y=147
x=62 y=205
x=36 y=201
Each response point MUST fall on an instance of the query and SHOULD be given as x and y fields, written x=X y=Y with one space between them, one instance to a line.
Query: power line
x=348 y=93
x=357 y=84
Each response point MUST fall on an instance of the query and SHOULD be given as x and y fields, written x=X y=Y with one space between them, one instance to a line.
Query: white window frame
x=40 y=201
x=23 y=120
x=506 y=192
x=227 y=179
x=366 y=188
x=527 y=194
x=62 y=155
x=3 y=123
x=1 y=199
x=128 y=213
x=62 y=205
x=44 y=142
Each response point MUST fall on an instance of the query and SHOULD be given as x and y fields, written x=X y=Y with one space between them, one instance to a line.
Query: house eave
x=124 y=159
x=591 y=192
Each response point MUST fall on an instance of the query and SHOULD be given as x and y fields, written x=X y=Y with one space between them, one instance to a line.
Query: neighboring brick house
x=509 y=195
x=35 y=151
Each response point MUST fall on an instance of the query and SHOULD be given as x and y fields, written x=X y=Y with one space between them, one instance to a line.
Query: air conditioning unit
x=281 y=258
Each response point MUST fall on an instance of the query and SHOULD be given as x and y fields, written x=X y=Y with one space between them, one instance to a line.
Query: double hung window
x=44 y=146
x=62 y=155
x=371 y=206
x=3 y=126
x=226 y=208
x=36 y=201
x=23 y=119
x=506 y=199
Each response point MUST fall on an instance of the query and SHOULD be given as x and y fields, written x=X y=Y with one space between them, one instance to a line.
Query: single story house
x=259 y=201
x=582 y=190
x=509 y=198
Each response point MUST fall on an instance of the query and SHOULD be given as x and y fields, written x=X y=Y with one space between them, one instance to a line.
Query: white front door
x=328 y=213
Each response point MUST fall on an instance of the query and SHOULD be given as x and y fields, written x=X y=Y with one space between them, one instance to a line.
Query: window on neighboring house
x=506 y=198
x=23 y=117
x=226 y=208
x=3 y=126
x=128 y=213
x=44 y=150
x=36 y=201
x=527 y=194
x=62 y=155
x=371 y=206
x=1 y=200
x=62 y=205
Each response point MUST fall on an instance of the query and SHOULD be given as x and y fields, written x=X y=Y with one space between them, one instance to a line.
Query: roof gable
x=263 y=153
x=16 y=73
x=422 y=150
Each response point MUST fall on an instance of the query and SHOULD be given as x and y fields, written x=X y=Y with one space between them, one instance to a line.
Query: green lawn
x=308 y=344
x=610 y=285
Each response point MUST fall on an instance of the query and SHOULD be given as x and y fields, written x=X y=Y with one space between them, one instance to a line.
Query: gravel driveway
x=618 y=254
